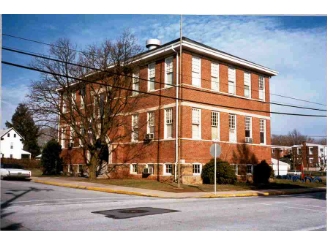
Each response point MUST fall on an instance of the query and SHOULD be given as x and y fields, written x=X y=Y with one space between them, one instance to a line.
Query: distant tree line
x=295 y=138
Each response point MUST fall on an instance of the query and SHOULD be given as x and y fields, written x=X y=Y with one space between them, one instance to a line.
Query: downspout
x=176 y=115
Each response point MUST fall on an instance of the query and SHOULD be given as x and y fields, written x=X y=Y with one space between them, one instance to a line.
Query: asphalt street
x=37 y=207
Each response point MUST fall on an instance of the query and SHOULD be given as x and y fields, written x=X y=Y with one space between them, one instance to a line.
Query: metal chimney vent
x=153 y=44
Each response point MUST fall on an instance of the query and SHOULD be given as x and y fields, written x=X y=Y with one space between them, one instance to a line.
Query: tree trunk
x=93 y=167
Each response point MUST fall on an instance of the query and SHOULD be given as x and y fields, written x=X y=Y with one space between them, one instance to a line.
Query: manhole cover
x=133 y=212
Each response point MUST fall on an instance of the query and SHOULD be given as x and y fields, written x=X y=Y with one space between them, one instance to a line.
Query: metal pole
x=179 y=113
x=215 y=168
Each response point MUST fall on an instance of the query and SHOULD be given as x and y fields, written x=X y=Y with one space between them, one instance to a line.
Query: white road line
x=313 y=228
x=304 y=209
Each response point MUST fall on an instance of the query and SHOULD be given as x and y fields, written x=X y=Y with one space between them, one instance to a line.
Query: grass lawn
x=172 y=187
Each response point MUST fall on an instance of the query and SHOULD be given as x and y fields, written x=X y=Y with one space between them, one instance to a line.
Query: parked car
x=14 y=171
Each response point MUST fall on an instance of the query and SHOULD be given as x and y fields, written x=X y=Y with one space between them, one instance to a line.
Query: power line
x=149 y=93
x=53 y=45
x=37 y=55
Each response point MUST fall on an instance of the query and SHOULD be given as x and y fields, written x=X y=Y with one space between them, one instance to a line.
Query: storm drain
x=133 y=212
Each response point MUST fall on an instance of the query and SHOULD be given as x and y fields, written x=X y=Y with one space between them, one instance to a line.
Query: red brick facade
x=161 y=151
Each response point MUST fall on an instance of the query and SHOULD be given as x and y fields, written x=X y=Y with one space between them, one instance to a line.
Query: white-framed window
x=149 y=168
x=71 y=136
x=135 y=128
x=232 y=80
x=299 y=151
x=64 y=103
x=196 y=71
x=135 y=84
x=272 y=151
x=310 y=150
x=248 y=129
x=167 y=169
x=249 y=169
x=196 y=168
x=262 y=131
x=82 y=133
x=215 y=77
x=261 y=88
x=14 y=135
x=168 y=71
x=63 y=137
x=232 y=128
x=134 y=168
x=11 y=145
x=215 y=124
x=151 y=76
x=196 y=123
x=247 y=85
x=310 y=160
x=73 y=98
x=235 y=168
x=151 y=122
x=232 y=121
x=168 y=128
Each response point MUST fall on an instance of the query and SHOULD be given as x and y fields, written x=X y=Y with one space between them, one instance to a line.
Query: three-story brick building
x=213 y=96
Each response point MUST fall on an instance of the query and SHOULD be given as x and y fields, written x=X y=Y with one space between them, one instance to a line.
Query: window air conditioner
x=248 y=140
x=149 y=136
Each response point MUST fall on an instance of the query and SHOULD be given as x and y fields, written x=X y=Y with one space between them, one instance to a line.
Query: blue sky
x=295 y=46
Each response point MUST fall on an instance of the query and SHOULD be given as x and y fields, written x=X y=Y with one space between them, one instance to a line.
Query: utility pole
x=278 y=156
x=179 y=139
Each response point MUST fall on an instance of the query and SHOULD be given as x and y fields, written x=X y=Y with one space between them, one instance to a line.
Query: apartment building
x=213 y=96
x=314 y=154
x=280 y=151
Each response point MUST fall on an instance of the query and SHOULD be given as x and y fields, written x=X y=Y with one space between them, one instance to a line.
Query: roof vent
x=153 y=44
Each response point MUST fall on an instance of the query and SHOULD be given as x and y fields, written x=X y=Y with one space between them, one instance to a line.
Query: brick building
x=282 y=150
x=314 y=154
x=168 y=133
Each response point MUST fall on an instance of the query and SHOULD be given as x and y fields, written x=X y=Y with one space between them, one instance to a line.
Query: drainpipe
x=176 y=115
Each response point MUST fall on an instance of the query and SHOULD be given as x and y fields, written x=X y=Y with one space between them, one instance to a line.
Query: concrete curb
x=229 y=195
x=101 y=189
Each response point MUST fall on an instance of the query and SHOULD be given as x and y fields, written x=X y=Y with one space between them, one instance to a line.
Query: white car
x=14 y=171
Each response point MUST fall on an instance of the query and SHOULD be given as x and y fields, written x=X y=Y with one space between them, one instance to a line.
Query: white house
x=11 y=145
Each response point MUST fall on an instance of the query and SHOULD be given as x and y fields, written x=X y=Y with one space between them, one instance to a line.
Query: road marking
x=304 y=209
x=313 y=228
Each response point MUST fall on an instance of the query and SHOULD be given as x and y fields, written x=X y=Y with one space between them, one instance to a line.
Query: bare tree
x=292 y=138
x=89 y=101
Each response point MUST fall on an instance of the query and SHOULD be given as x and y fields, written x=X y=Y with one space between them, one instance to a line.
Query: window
x=168 y=71
x=71 y=137
x=167 y=169
x=232 y=80
x=249 y=169
x=168 y=130
x=310 y=160
x=62 y=138
x=135 y=84
x=151 y=76
x=134 y=168
x=232 y=121
x=247 y=85
x=135 y=127
x=80 y=169
x=64 y=103
x=321 y=150
x=196 y=169
x=82 y=101
x=14 y=135
x=73 y=98
x=261 y=88
x=262 y=131
x=215 y=77
x=299 y=151
x=82 y=132
x=149 y=168
x=196 y=71
x=8 y=135
x=310 y=150
x=11 y=145
x=235 y=168
x=215 y=123
x=11 y=156
x=196 y=133
x=69 y=168
x=151 y=122
x=248 y=129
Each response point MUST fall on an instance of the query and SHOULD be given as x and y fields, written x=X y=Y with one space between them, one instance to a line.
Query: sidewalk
x=163 y=194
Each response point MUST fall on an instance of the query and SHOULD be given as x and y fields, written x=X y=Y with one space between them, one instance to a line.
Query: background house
x=315 y=156
x=11 y=145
